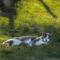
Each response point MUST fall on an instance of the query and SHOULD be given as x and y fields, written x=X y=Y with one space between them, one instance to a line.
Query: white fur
x=28 y=41
x=42 y=41
x=15 y=41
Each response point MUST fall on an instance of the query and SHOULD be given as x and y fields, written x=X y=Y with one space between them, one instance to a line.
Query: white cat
x=44 y=39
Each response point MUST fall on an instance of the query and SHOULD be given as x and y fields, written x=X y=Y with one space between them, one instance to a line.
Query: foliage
x=33 y=19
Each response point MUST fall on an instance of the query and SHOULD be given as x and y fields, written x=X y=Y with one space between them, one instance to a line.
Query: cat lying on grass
x=28 y=40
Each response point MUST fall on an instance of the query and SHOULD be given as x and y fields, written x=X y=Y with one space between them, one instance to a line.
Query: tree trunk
x=11 y=26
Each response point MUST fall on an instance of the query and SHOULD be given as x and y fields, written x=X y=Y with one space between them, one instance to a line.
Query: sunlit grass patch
x=4 y=37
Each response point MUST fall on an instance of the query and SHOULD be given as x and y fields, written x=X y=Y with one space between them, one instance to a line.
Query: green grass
x=30 y=53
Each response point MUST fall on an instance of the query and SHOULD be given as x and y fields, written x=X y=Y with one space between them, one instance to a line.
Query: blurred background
x=31 y=17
